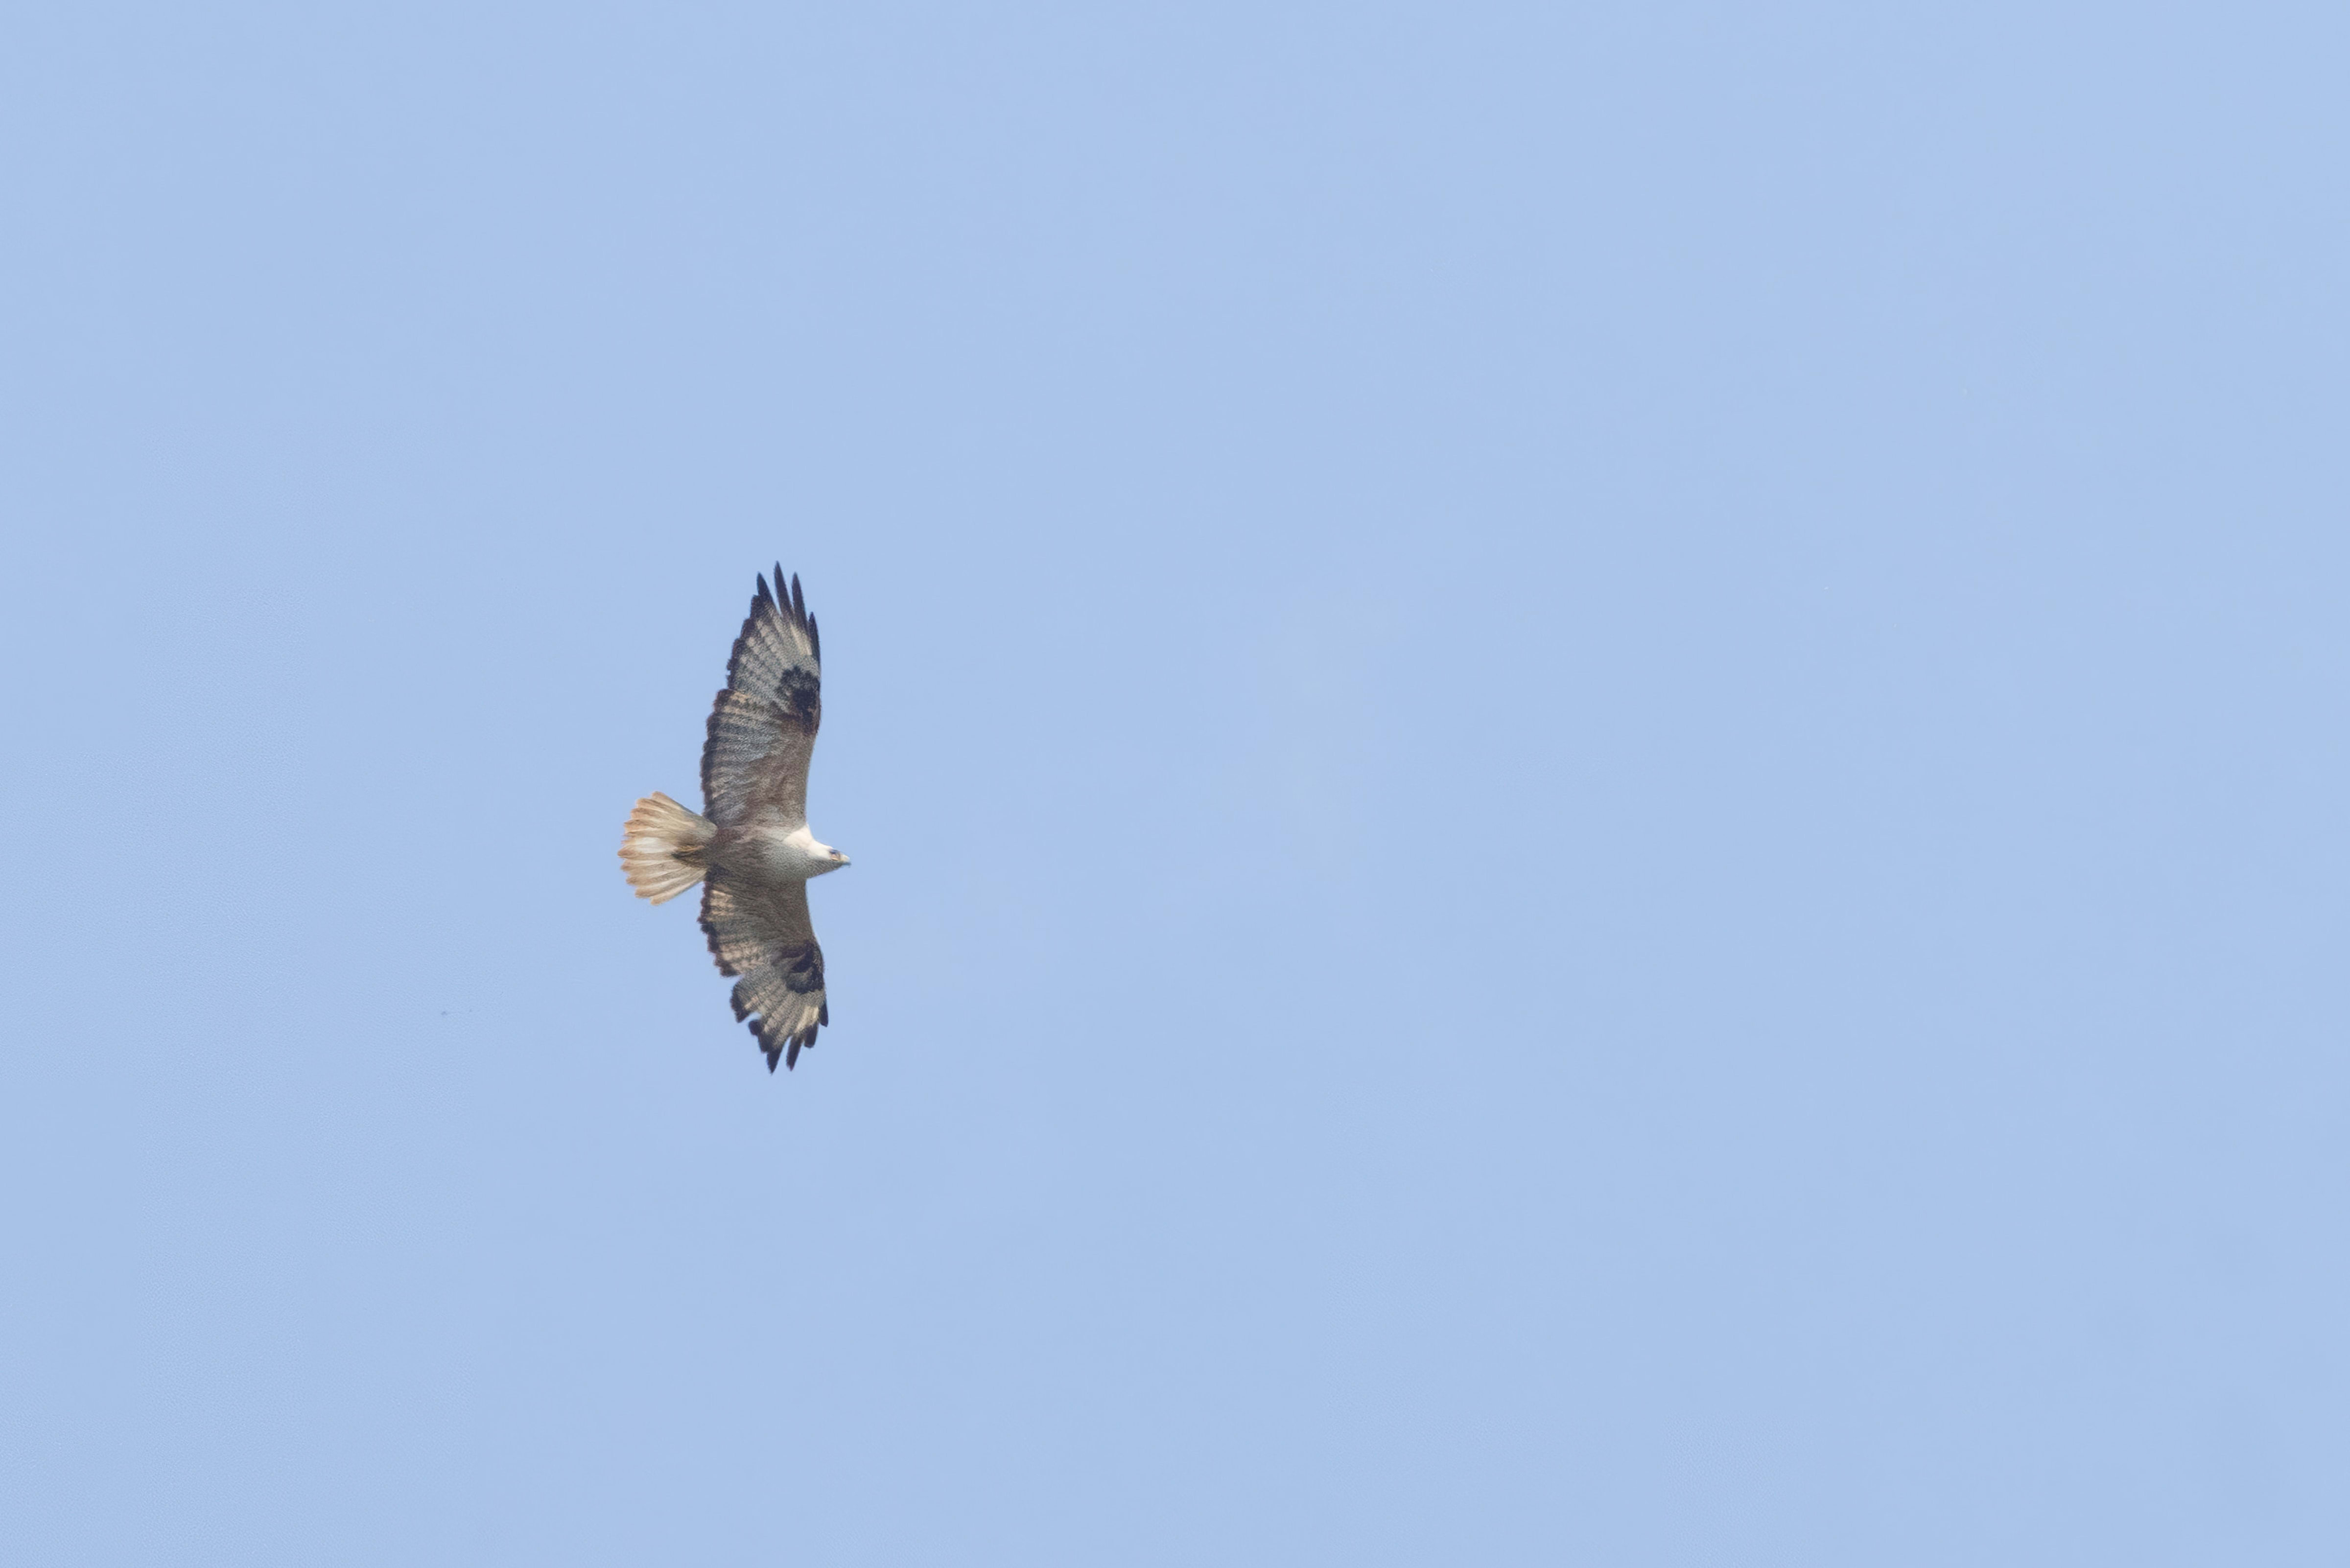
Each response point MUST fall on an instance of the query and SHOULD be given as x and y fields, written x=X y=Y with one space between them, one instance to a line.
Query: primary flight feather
x=751 y=850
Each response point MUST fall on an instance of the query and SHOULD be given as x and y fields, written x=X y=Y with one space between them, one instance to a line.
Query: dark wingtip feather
x=799 y=600
x=816 y=643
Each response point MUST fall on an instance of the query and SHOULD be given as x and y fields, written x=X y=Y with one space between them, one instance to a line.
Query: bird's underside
x=750 y=847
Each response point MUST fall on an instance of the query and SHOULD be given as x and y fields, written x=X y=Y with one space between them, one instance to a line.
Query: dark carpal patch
x=803 y=968
x=800 y=695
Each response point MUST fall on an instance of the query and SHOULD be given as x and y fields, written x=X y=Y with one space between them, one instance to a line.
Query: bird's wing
x=754 y=765
x=761 y=931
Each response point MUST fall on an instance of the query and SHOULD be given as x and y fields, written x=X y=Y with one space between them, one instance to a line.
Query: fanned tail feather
x=664 y=848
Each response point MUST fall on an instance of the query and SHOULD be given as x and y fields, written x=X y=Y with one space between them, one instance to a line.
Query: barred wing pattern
x=755 y=765
x=761 y=931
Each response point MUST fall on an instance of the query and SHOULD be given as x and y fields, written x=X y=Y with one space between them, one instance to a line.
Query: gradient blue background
x=1595 y=756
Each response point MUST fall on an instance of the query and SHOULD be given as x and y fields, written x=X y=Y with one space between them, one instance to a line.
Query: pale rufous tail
x=663 y=848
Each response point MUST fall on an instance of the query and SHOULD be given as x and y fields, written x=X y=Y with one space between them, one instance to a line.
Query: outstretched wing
x=754 y=765
x=761 y=931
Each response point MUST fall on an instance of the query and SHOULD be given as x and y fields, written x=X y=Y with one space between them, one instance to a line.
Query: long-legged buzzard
x=753 y=852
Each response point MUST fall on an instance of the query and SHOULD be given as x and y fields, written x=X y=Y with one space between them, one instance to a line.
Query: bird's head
x=798 y=854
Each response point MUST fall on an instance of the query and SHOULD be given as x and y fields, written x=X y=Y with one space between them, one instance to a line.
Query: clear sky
x=1596 y=756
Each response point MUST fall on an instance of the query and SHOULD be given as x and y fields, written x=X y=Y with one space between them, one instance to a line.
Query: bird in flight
x=753 y=853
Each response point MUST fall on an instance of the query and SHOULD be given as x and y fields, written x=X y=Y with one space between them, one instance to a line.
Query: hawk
x=751 y=849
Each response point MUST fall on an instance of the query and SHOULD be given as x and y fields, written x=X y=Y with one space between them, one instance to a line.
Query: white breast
x=796 y=854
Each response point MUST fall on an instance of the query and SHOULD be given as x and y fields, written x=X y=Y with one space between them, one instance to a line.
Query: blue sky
x=1594 y=755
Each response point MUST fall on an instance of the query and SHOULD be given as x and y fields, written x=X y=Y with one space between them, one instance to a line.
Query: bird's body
x=752 y=852
x=783 y=855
